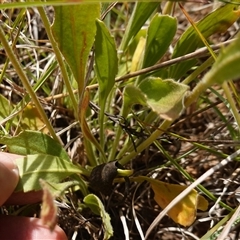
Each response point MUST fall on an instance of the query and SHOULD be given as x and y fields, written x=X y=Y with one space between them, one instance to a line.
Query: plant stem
x=199 y=70
x=147 y=142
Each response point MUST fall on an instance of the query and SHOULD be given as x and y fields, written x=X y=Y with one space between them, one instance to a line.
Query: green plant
x=95 y=65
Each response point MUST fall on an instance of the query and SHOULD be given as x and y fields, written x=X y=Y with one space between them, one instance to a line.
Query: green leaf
x=227 y=65
x=106 y=65
x=216 y=22
x=95 y=204
x=132 y=95
x=58 y=189
x=106 y=61
x=225 y=68
x=33 y=142
x=164 y=96
x=5 y=107
x=159 y=37
x=142 y=11
x=40 y=166
x=74 y=30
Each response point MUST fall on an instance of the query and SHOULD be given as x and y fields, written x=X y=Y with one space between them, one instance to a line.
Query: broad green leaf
x=164 y=96
x=159 y=37
x=106 y=65
x=95 y=204
x=74 y=30
x=33 y=142
x=132 y=95
x=106 y=61
x=52 y=169
x=184 y=212
x=216 y=22
x=142 y=11
x=227 y=65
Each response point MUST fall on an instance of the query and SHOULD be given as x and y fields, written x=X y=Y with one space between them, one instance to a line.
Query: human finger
x=22 y=228
x=16 y=198
x=9 y=176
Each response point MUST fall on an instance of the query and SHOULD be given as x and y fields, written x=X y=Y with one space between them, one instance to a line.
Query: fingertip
x=8 y=159
x=9 y=177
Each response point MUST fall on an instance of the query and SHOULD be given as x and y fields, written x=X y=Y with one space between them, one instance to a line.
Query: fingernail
x=15 y=169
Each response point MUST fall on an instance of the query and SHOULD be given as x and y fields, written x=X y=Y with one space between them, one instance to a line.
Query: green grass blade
x=141 y=13
x=216 y=22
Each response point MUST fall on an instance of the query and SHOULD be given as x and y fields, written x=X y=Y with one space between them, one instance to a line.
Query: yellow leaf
x=184 y=212
x=32 y=120
x=137 y=57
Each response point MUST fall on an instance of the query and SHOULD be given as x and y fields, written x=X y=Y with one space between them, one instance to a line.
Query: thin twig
x=198 y=53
